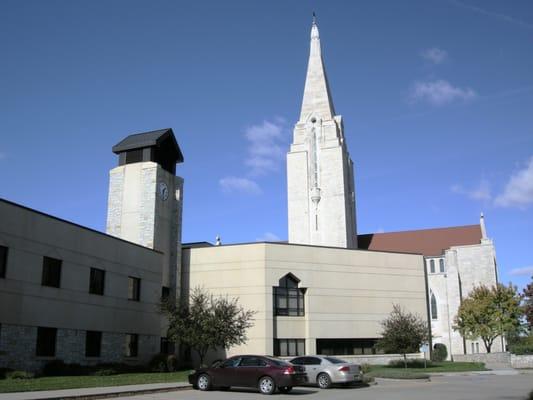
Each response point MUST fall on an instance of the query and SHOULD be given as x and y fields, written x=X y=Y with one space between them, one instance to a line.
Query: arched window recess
x=289 y=297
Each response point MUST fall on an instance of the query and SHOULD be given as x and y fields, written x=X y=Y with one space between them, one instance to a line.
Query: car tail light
x=288 y=371
x=344 y=369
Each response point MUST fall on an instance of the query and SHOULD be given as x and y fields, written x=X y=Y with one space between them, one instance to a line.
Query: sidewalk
x=95 y=393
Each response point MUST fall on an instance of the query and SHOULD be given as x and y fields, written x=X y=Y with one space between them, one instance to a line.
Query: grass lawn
x=386 y=371
x=71 y=382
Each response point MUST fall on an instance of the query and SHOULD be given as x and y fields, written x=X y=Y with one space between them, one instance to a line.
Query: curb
x=110 y=394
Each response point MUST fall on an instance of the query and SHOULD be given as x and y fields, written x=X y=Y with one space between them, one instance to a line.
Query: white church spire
x=320 y=183
x=317 y=97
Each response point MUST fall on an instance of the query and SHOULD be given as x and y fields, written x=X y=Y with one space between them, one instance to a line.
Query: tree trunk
x=405 y=361
x=488 y=344
x=201 y=355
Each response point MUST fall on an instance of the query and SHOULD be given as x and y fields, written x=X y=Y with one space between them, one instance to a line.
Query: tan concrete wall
x=348 y=291
x=24 y=302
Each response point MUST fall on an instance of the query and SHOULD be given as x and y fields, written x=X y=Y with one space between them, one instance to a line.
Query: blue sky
x=436 y=96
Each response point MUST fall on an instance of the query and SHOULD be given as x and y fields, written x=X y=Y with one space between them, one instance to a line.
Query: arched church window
x=288 y=297
x=433 y=303
x=432 y=266
x=441 y=265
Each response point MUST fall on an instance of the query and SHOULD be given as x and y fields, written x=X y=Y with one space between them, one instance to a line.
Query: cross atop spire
x=317 y=98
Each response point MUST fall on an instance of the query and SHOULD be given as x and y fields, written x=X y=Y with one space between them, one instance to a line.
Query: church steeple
x=317 y=97
x=320 y=183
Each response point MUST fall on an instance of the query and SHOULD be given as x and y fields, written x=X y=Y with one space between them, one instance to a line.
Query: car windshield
x=334 y=360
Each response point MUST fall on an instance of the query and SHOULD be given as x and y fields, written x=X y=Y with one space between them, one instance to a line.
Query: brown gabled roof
x=429 y=242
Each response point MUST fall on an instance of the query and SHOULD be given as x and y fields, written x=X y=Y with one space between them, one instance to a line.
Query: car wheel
x=266 y=385
x=324 y=381
x=204 y=382
x=285 y=389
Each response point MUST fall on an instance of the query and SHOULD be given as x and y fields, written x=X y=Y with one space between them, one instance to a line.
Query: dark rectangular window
x=441 y=265
x=289 y=301
x=167 y=346
x=51 y=272
x=134 y=288
x=289 y=347
x=3 y=261
x=132 y=345
x=165 y=292
x=288 y=297
x=93 y=343
x=338 y=347
x=432 y=266
x=97 y=281
x=46 y=342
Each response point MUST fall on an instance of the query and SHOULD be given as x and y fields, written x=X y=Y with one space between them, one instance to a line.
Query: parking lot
x=473 y=387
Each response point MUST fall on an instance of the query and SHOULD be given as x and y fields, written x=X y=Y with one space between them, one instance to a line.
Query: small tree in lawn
x=403 y=332
x=207 y=322
x=488 y=313
x=528 y=305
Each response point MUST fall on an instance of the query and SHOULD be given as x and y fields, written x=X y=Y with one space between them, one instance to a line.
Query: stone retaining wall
x=522 y=361
x=382 y=359
x=491 y=358
x=376 y=359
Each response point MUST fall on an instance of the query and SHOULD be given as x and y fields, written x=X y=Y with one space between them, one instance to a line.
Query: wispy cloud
x=268 y=237
x=439 y=92
x=435 y=55
x=231 y=184
x=521 y=271
x=480 y=192
x=518 y=191
x=503 y=17
x=265 y=146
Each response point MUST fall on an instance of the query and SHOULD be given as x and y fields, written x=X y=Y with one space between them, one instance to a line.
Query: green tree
x=402 y=332
x=207 y=322
x=528 y=305
x=489 y=312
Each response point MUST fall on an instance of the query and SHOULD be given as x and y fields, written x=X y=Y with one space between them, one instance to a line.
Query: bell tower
x=321 y=193
x=145 y=198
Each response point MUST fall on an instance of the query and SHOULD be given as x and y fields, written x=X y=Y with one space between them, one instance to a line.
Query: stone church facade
x=68 y=292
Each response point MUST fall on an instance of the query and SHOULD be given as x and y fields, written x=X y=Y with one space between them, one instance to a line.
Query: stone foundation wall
x=18 y=348
x=522 y=361
x=376 y=359
x=499 y=358
x=381 y=359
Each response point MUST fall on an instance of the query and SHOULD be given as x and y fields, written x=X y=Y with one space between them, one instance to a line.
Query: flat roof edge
x=76 y=225
x=302 y=245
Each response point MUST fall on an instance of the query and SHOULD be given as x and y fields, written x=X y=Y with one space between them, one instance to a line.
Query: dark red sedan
x=265 y=373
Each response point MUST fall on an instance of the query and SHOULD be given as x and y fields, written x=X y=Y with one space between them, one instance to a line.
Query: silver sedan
x=326 y=370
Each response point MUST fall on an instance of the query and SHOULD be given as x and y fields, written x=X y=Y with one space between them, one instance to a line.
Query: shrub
x=54 y=368
x=172 y=363
x=158 y=363
x=163 y=363
x=522 y=345
x=121 y=368
x=416 y=363
x=60 y=368
x=20 y=375
x=105 y=372
x=439 y=353
x=365 y=368
x=4 y=372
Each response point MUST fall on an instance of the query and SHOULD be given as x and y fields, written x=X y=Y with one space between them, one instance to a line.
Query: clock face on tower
x=162 y=190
